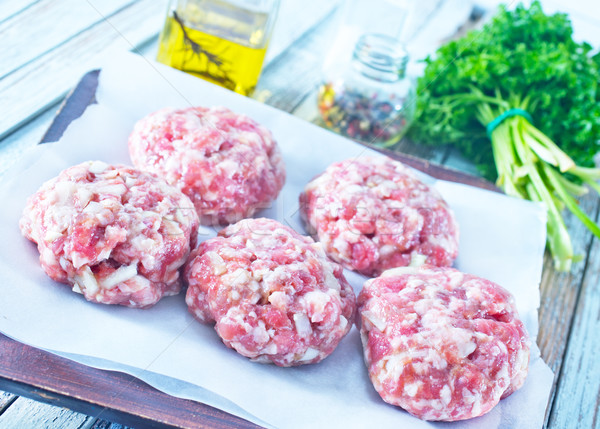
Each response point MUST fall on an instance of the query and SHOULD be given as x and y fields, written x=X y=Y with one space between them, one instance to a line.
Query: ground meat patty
x=227 y=164
x=441 y=344
x=274 y=295
x=116 y=234
x=372 y=214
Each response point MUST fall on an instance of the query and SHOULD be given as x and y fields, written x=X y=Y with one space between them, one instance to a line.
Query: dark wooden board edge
x=438 y=171
x=73 y=106
x=110 y=395
x=120 y=397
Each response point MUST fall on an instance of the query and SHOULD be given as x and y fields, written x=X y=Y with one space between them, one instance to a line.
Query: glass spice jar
x=222 y=41
x=370 y=100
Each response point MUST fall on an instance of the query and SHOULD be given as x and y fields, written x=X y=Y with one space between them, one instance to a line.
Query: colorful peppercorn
x=370 y=117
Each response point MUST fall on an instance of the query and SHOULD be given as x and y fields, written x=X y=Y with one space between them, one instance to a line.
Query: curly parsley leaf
x=519 y=54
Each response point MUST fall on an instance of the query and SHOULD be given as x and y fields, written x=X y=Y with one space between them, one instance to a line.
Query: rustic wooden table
x=49 y=44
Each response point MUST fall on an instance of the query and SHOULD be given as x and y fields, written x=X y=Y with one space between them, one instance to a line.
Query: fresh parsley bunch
x=524 y=67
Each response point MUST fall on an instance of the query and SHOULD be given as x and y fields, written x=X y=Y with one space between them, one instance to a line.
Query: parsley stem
x=528 y=164
x=570 y=202
x=474 y=96
x=558 y=236
x=523 y=173
x=572 y=188
x=563 y=160
x=586 y=174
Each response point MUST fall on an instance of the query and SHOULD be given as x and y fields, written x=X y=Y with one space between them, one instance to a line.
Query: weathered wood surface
x=28 y=90
x=28 y=42
x=113 y=396
x=26 y=413
x=8 y=9
x=560 y=303
x=36 y=84
x=6 y=399
x=577 y=397
x=570 y=305
x=103 y=424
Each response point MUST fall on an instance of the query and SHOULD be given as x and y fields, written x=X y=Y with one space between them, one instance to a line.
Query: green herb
x=522 y=59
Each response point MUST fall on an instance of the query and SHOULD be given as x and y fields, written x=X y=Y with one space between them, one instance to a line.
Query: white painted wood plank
x=419 y=14
x=292 y=24
x=46 y=25
x=295 y=19
x=25 y=413
x=9 y=8
x=288 y=79
x=442 y=23
x=45 y=81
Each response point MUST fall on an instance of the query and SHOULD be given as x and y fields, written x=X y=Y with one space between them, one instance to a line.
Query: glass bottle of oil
x=222 y=41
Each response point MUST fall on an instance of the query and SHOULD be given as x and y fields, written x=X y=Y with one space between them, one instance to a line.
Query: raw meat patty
x=441 y=344
x=227 y=164
x=274 y=295
x=372 y=214
x=116 y=234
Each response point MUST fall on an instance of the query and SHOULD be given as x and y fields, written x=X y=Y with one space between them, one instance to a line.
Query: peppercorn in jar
x=371 y=99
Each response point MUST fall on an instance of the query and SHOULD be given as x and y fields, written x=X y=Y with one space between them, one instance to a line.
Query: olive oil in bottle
x=223 y=42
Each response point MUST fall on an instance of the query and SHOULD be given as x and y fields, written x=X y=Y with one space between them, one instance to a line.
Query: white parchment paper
x=501 y=239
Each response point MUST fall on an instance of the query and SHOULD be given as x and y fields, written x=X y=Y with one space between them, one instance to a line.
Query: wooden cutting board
x=43 y=376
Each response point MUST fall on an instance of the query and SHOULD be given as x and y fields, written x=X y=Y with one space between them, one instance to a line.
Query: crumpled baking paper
x=502 y=239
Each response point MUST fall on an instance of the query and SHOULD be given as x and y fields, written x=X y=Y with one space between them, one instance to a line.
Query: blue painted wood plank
x=5 y=400
x=577 y=401
x=26 y=413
